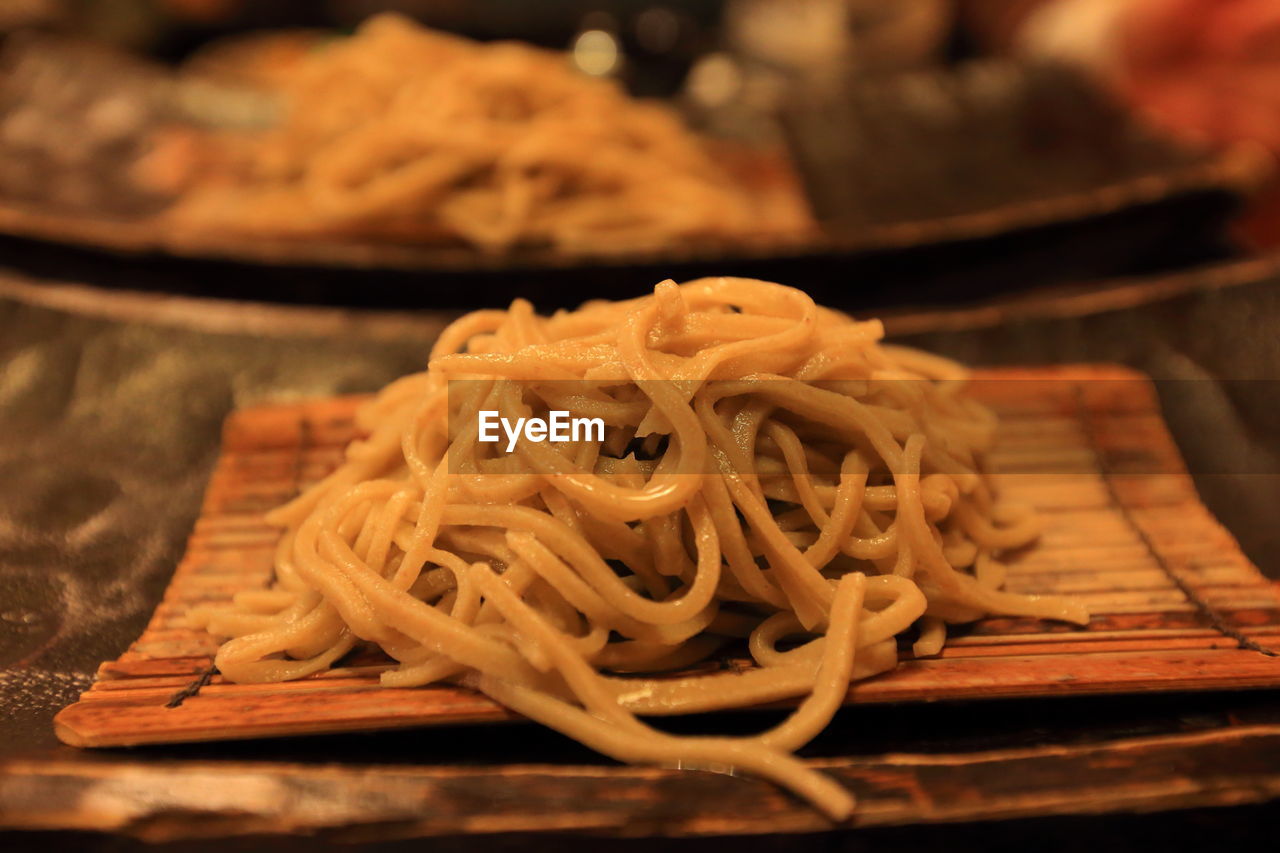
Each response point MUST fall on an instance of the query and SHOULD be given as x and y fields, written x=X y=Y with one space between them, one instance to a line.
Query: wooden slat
x=315 y=706
x=1172 y=596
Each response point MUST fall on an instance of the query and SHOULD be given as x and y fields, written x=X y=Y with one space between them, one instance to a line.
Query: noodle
x=768 y=472
x=403 y=133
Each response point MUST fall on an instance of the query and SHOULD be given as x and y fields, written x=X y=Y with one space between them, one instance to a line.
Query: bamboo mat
x=1176 y=605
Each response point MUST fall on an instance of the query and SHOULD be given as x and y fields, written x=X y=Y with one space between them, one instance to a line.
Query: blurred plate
x=1019 y=175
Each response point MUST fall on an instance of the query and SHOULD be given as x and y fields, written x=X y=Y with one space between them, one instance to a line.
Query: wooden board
x=165 y=801
x=1176 y=605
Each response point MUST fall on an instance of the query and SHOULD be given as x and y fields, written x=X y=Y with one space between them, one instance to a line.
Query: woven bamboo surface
x=1176 y=605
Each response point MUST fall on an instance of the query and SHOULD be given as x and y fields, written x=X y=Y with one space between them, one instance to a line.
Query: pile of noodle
x=404 y=133
x=771 y=473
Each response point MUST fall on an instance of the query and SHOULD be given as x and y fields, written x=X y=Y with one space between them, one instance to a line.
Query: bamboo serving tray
x=1176 y=605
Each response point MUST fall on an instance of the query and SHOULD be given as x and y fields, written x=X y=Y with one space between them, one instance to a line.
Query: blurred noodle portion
x=406 y=134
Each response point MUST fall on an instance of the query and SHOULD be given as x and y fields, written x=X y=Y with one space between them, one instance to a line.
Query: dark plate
x=918 y=177
x=110 y=407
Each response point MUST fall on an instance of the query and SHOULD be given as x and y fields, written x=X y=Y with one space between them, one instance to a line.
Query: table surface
x=111 y=403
